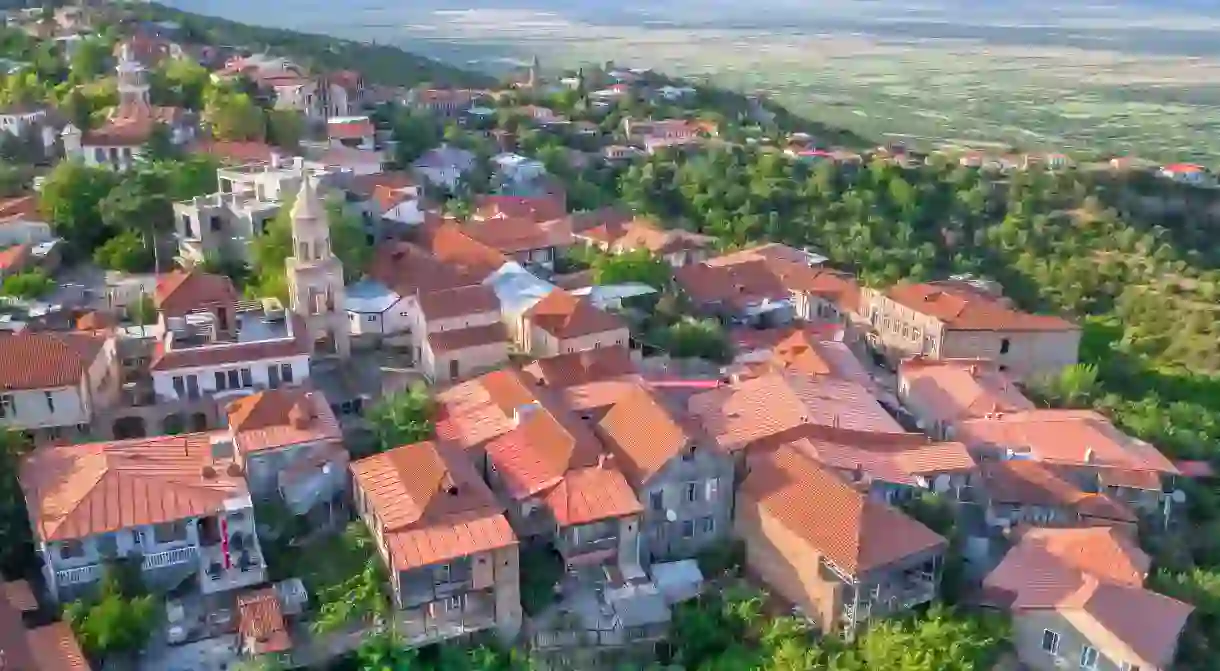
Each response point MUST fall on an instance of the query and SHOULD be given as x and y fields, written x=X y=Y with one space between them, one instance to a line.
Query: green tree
x=234 y=116
x=126 y=252
x=118 y=620
x=29 y=285
x=361 y=598
x=143 y=311
x=140 y=202
x=403 y=418
x=70 y=198
x=17 y=551
x=285 y=128
x=415 y=134
x=632 y=266
x=181 y=82
x=689 y=337
x=90 y=59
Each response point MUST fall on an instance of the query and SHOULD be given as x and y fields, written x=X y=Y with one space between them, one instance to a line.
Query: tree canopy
x=403 y=418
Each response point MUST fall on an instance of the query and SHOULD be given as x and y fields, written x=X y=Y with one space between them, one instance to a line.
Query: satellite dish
x=1178 y=496
x=671 y=515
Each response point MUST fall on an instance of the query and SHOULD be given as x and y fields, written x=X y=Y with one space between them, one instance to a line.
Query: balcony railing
x=79 y=575
x=181 y=555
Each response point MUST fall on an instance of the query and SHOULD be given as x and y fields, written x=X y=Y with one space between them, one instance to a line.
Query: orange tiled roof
x=790 y=268
x=367 y=185
x=643 y=234
x=131 y=127
x=182 y=291
x=470 y=414
x=349 y=130
x=965 y=308
x=475 y=336
x=431 y=503
x=452 y=245
x=81 y=490
x=1030 y=483
x=260 y=619
x=906 y=459
x=521 y=234
x=1094 y=577
x=96 y=320
x=46 y=359
x=281 y=417
x=848 y=527
x=458 y=301
x=20 y=595
x=407 y=269
x=564 y=316
x=578 y=368
x=545 y=442
x=644 y=434
x=54 y=648
x=957 y=389
x=14 y=258
x=235 y=152
x=519 y=207
x=801 y=353
x=739 y=414
x=590 y=494
x=19 y=207
x=1070 y=437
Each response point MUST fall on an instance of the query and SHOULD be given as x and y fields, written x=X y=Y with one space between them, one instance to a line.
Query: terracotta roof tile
x=564 y=316
x=408 y=269
x=747 y=411
x=590 y=494
x=235 y=152
x=544 y=444
x=20 y=595
x=96 y=320
x=81 y=490
x=905 y=459
x=475 y=336
x=182 y=291
x=577 y=368
x=748 y=340
x=54 y=648
x=458 y=302
x=39 y=360
x=514 y=235
x=131 y=127
x=19 y=207
x=1070 y=437
x=281 y=417
x=349 y=129
x=644 y=434
x=1094 y=577
x=640 y=233
x=518 y=207
x=1030 y=483
x=851 y=529
x=965 y=308
x=957 y=389
x=367 y=185
x=14 y=258
x=432 y=504
x=454 y=246
x=789 y=268
x=260 y=619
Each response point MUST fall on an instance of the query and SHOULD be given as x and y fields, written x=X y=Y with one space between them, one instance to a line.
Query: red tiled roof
x=454 y=246
x=20 y=595
x=348 y=79
x=431 y=503
x=14 y=258
x=235 y=152
x=96 y=320
x=906 y=459
x=1030 y=483
x=260 y=619
x=1093 y=577
x=130 y=127
x=81 y=490
x=458 y=302
x=519 y=207
x=281 y=417
x=513 y=235
x=367 y=185
x=19 y=207
x=441 y=342
x=790 y=268
x=564 y=316
x=349 y=130
x=578 y=368
x=957 y=389
x=409 y=269
x=590 y=494
x=54 y=648
x=1070 y=437
x=224 y=353
x=182 y=291
x=962 y=307
x=644 y=434
x=847 y=526
x=751 y=410
x=644 y=234
x=47 y=359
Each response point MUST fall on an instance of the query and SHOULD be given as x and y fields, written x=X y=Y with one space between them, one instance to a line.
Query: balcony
x=79 y=575
x=181 y=555
x=243 y=569
x=434 y=622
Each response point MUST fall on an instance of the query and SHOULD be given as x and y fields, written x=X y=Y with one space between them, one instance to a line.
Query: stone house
x=562 y=323
x=55 y=384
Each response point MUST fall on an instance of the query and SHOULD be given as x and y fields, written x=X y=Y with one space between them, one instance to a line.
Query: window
x=234 y=379
x=179 y=386
x=1128 y=666
x=370 y=318
x=107 y=545
x=1004 y=345
x=708 y=525
x=50 y=401
x=1088 y=657
x=443 y=573
x=220 y=380
x=712 y=486
x=454 y=602
x=286 y=372
x=215 y=223
x=247 y=378
x=1050 y=641
x=688 y=528
x=71 y=549
x=169 y=532
x=656 y=500
x=690 y=492
x=8 y=407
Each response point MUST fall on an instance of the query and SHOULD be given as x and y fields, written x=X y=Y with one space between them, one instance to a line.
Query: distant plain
x=1124 y=76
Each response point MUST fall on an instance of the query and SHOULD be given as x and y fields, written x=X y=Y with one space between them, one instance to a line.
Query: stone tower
x=534 y=76
x=133 y=85
x=315 y=275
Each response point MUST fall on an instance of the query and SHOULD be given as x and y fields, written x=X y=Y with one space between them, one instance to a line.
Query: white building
x=444 y=165
x=373 y=309
x=516 y=168
x=54 y=383
x=315 y=276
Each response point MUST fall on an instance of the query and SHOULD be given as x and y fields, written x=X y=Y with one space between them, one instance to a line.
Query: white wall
x=163 y=380
x=31 y=409
x=126 y=156
x=24 y=231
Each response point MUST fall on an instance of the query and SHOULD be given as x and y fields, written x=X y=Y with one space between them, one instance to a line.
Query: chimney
x=1089 y=456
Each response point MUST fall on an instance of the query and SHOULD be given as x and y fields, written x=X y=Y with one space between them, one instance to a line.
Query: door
x=273 y=376
x=192 y=387
x=453 y=369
